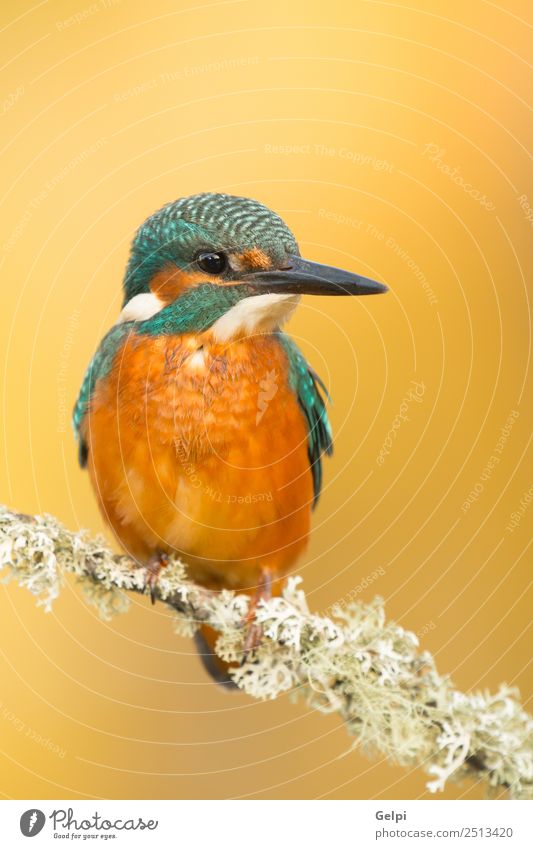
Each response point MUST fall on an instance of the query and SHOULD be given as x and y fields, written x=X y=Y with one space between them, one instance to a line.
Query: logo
x=268 y=387
x=31 y=822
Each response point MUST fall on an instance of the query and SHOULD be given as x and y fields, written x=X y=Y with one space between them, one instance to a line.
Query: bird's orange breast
x=201 y=448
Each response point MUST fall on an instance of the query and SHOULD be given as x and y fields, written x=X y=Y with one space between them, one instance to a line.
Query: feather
x=307 y=385
x=98 y=367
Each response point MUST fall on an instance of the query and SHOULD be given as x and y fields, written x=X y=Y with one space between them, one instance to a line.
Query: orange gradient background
x=393 y=139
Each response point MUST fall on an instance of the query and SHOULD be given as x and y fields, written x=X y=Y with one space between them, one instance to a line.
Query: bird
x=201 y=424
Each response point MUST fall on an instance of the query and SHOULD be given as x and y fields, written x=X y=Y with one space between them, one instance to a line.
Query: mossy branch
x=371 y=672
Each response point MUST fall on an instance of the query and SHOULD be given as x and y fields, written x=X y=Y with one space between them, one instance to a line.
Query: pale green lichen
x=107 y=601
x=389 y=693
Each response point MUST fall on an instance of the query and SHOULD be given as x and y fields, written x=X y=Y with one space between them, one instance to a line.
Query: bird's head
x=221 y=254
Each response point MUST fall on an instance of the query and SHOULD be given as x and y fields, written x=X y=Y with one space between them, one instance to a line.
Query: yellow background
x=112 y=113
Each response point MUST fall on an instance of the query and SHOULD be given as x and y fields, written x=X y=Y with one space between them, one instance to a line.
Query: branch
x=389 y=694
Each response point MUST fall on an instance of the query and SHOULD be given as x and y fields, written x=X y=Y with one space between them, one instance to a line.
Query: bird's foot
x=153 y=568
x=254 y=631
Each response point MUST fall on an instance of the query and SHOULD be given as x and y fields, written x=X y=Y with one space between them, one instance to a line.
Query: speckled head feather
x=209 y=221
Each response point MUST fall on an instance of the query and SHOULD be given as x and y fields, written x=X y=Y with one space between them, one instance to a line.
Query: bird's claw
x=252 y=640
x=153 y=568
x=254 y=630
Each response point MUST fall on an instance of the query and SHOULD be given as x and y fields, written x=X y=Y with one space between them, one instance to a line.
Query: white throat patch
x=256 y=314
x=140 y=308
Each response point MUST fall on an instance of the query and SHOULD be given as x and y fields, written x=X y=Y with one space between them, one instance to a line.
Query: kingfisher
x=200 y=422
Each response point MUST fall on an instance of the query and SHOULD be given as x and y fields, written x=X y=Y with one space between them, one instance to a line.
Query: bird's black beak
x=302 y=277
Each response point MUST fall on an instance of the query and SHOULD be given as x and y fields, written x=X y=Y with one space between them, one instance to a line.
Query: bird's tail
x=205 y=639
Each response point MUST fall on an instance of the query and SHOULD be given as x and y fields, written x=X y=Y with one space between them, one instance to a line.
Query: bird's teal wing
x=98 y=367
x=308 y=387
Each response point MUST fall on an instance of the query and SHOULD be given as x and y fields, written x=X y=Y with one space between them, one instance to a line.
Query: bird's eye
x=212 y=262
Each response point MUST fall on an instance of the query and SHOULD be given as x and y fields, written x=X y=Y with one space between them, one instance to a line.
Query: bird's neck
x=256 y=314
x=228 y=317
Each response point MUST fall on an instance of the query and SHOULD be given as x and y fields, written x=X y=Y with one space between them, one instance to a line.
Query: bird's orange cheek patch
x=256 y=259
x=171 y=282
